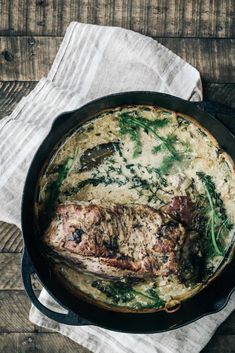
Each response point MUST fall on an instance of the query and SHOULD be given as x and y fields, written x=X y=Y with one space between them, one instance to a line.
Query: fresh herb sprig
x=217 y=210
x=116 y=175
x=141 y=185
x=158 y=173
x=131 y=125
x=94 y=182
x=121 y=292
x=168 y=162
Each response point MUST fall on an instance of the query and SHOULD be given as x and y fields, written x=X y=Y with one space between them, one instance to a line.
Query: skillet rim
x=60 y=120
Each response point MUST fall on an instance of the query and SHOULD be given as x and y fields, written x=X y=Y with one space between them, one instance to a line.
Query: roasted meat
x=182 y=209
x=117 y=241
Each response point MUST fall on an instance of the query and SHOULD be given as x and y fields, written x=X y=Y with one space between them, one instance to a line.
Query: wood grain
x=180 y=18
x=228 y=326
x=38 y=342
x=215 y=59
x=56 y=343
x=11 y=93
x=14 y=312
x=10 y=269
x=10 y=238
x=28 y=59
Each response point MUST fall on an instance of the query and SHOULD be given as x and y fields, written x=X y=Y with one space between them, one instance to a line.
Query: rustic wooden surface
x=200 y=31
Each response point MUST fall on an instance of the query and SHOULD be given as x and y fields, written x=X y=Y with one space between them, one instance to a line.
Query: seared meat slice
x=183 y=210
x=191 y=260
x=117 y=240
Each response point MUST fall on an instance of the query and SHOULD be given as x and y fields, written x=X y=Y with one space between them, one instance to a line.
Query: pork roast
x=118 y=241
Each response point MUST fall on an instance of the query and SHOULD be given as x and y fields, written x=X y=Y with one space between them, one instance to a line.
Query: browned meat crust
x=117 y=240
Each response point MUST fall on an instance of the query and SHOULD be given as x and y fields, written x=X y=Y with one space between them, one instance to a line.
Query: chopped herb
x=162 y=180
x=169 y=140
x=158 y=172
x=133 y=132
x=131 y=125
x=54 y=187
x=142 y=184
x=158 y=148
x=168 y=162
x=94 y=182
x=121 y=292
x=115 y=175
x=217 y=211
x=217 y=201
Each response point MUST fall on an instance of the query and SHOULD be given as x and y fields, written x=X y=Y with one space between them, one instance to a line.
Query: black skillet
x=210 y=300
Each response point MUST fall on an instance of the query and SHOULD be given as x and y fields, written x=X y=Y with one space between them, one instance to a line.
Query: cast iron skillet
x=210 y=300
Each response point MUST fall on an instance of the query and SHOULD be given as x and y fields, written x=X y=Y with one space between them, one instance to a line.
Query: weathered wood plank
x=15 y=305
x=11 y=93
x=38 y=342
x=14 y=312
x=56 y=343
x=28 y=59
x=10 y=238
x=214 y=59
x=183 y=18
x=10 y=269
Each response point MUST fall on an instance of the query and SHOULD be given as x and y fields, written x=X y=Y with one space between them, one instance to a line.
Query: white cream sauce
x=200 y=154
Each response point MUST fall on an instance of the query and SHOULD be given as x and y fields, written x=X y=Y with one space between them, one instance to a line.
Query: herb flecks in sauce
x=54 y=187
x=121 y=292
x=132 y=124
x=112 y=175
x=155 y=156
x=217 y=214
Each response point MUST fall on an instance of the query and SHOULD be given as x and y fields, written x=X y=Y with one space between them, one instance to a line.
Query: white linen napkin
x=94 y=61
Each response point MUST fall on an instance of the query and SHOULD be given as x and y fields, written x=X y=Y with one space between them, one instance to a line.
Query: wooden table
x=200 y=31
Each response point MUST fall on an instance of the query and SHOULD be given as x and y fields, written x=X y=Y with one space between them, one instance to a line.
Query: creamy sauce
x=145 y=168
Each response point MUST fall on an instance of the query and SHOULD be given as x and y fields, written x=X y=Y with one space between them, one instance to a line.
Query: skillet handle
x=68 y=318
x=224 y=113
